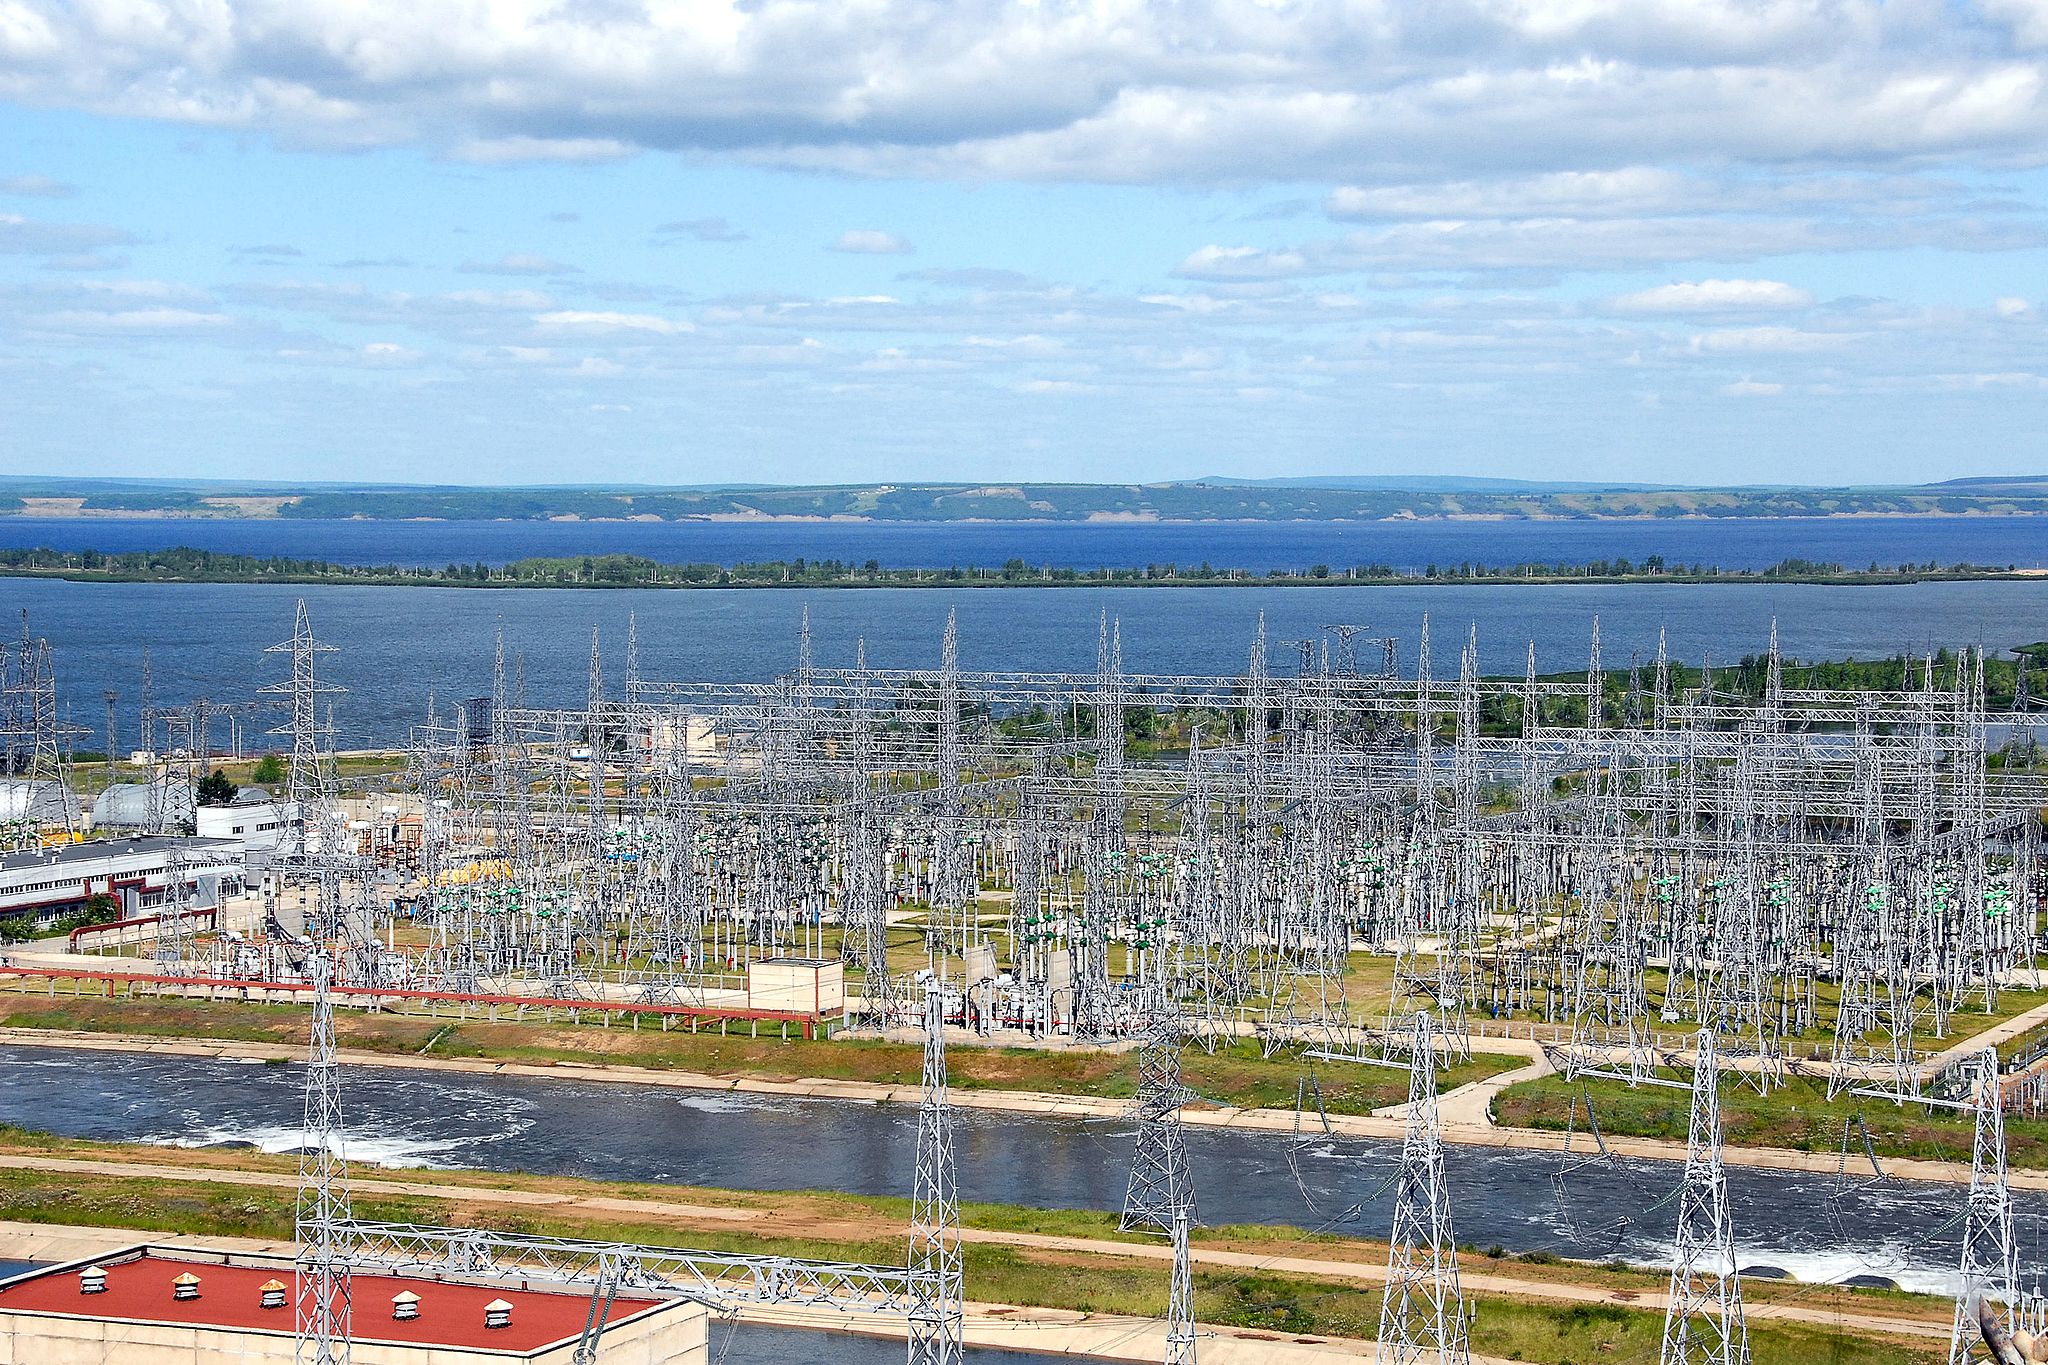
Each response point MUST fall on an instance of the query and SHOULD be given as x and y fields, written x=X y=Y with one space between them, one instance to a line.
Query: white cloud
x=2013 y=308
x=714 y=229
x=1781 y=340
x=130 y=320
x=871 y=242
x=518 y=263
x=1542 y=249
x=1123 y=90
x=572 y=320
x=36 y=187
x=1578 y=194
x=1752 y=388
x=27 y=237
x=1715 y=296
x=499 y=151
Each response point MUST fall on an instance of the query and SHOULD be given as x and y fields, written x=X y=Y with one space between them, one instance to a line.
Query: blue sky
x=1671 y=240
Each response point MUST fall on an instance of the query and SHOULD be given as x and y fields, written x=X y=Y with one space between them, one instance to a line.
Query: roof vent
x=270 y=1294
x=186 y=1286
x=92 y=1280
x=497 y=1313
x=405 y=1305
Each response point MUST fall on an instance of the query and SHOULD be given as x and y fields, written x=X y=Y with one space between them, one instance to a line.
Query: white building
x=262 y=825
x=56 y=882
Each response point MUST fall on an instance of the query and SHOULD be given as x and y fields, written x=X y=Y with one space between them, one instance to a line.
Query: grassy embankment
x=854 y=1228
x=1236 y=1076
x=1798 y=1116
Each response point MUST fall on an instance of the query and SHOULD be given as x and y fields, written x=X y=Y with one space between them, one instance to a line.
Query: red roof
x=451 y=1313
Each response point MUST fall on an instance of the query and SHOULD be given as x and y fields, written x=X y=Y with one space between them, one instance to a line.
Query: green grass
x=1799 y=1116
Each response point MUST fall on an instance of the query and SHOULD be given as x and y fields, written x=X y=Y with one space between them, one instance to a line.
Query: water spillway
x=1814 y=1226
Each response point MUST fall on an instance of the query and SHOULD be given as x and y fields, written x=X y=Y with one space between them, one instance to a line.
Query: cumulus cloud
x=1714 y=296
x=1123 y=90
x=871 y=242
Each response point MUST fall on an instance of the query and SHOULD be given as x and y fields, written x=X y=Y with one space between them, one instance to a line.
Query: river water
x=395 y=646
x=1812 y=1226
x=1730 y=543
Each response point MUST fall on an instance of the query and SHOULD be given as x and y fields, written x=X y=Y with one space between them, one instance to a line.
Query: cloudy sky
x=681 y=241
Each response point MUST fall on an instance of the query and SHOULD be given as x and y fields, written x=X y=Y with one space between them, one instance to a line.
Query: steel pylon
x=935 y=1256
x=1422 y=1316
x=1703 y=1322
x=322 y=1269
x=1160 y=1188
x=1989 y=1268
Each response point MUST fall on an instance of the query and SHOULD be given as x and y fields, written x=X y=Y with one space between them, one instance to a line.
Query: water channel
x=1812 y=1226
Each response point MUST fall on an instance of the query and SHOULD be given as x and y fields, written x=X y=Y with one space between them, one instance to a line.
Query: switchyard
x=1352 y=853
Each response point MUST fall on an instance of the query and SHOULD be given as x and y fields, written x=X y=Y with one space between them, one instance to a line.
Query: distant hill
x=1318 y=498
x=1430 y=483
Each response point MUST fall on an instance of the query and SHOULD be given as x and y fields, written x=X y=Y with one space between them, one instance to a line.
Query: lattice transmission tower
x=1703 y=1322
x=322 y=1270
x=1989 y=1268
x=1422 y=1316
x=1160 y=1189
x=935 y=1256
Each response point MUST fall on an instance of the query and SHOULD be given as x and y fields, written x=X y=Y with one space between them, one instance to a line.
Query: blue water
x=1811 y=1224
x=1855 y=542
x=395 y=645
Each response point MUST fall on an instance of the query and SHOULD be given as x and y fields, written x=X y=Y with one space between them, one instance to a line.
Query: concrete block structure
x=798 y=985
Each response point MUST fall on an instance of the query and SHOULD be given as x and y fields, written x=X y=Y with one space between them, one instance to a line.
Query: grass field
x=1799 y=1116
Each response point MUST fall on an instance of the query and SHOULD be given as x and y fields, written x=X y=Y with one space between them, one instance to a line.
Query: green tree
x=269 y=768
x=216 y=790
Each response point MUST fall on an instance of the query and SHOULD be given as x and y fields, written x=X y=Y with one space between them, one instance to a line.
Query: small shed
x=797 y=985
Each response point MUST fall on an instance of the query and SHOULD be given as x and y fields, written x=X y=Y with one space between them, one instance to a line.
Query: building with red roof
x=151 y=1305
